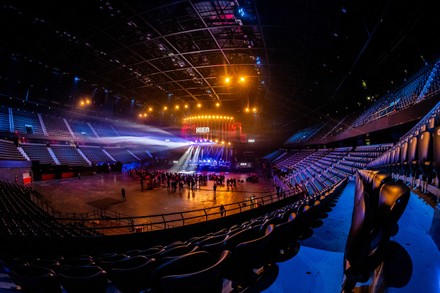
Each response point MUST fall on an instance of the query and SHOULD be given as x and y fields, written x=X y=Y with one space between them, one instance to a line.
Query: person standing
x=123 y=194
x=222 y=210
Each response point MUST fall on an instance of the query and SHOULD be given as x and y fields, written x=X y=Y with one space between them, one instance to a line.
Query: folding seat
x=425 y=158
x=436 y=154
x=396 y=161
x=132 y=275
x=252 y=253
x=404 y=159
x=35 y=279
x=183 y=264
x=84 y=279
x=413 y=165
x=371 y=228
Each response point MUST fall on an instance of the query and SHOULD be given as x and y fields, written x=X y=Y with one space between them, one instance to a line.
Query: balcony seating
x=56 y=127
x=26 y=123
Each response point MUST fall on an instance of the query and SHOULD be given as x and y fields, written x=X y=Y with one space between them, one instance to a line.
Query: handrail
x=117 y=224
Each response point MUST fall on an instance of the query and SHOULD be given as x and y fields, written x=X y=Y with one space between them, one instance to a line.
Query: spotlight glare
x=165 y=108
x=150 y=109
x=227 y=80
x=186 y=106
x=242 y=79
x=246 y=110
x=217 y=104
x=177 y=107
x=199 y=105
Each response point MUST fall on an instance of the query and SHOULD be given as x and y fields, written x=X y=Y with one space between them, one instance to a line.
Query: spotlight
x=254 y=110
x=217 y=104
x=246 y=110
x=165 y=108
x=82 y=103
x=242 y=79
x=186 y=106
x=150 y=109
x=227 y=80
x=199 y=105
x=87 y=101
x=177 y=107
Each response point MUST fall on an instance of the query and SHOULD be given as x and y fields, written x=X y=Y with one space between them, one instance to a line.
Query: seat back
x=424 y=153
x=205 y=280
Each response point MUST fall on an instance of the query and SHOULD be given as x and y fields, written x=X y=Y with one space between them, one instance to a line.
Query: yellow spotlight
x=82 y=103
x=229 y=143
x=150 y=109
x=145 y=114
x=254 y=110
x=246 y=110
x=140 y=115
x=87 y=101
x=242 y=79
x=216 y=140
x=217 y=104
x=186 y=106
x=177 y=107
x=199 y=105
x=165 y=108
x=223 y=142
x=227 y=80
x=216 y=117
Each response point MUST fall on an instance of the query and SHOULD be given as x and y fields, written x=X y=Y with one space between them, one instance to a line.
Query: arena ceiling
x=304 y=59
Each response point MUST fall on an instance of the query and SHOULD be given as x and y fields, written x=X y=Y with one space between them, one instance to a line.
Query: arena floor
x=104 y=190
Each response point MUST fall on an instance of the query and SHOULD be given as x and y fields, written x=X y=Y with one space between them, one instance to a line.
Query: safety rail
x=107 y=225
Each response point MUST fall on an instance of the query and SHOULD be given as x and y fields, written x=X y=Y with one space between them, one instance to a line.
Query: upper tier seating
x=81 y=129
x=56 y=127
x=4 y=119
x=8 y=151
x=38 y=152
x=104 y=129
x=26 y=122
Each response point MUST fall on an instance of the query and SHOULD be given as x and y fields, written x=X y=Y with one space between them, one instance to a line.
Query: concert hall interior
x=219 y=146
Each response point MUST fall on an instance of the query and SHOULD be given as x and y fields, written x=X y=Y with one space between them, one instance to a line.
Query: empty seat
x=132 y=274
x=205 y=280
x=373 y=221
x=84 y=279
x=35 y=279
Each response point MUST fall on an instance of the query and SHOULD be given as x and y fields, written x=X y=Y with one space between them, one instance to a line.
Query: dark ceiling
x=302 y=60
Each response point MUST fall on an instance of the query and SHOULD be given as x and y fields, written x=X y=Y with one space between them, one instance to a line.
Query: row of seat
x=199 y=264
x=416 y=157
x=21 y=217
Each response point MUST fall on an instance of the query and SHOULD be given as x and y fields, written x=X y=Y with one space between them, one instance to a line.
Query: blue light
x=76 y=78
x=258 y=60
x=241 y=12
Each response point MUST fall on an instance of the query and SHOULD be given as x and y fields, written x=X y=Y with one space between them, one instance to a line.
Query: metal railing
x=117 y=224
